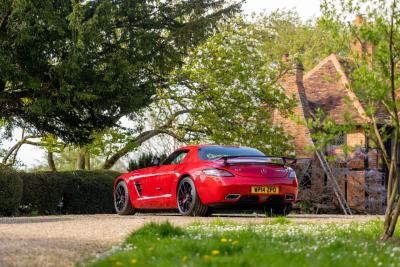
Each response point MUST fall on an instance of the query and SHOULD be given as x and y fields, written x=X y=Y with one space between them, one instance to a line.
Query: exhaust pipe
x=232 y=196
x=289 y=197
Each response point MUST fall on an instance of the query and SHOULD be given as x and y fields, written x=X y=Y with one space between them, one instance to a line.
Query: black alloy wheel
x=188 y=200
x=122 y=202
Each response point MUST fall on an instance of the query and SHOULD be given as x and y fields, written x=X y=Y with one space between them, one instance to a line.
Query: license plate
x=265 y=190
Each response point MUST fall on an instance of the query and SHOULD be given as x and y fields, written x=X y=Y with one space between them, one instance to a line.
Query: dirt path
x=64 y=240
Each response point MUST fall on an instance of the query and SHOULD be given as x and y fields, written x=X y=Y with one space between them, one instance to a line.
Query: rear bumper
x=236 y=191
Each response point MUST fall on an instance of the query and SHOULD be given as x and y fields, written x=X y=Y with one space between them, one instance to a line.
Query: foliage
x=78 y=192
x=324 y=129
x=42 y=191
x=71 y=68
x=280 y=242
x=231 y=85
x=269 y=34
x=89 y=192
x=309 y=41
x=144 y=161
x=10 y=191
x=375 y=79
x=230 y=89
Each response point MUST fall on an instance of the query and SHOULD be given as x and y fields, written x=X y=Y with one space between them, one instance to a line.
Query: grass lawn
x=274 y=243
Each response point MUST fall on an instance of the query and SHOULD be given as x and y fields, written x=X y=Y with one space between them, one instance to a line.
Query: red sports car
x=199 y=179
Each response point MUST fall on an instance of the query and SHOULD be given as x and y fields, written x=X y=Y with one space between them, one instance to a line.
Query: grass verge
x=274 y=243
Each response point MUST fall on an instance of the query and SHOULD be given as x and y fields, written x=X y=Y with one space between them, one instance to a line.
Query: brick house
x=360 y=172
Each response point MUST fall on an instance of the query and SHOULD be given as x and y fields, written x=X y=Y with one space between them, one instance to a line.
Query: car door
x=164 y=177
x=142 y=182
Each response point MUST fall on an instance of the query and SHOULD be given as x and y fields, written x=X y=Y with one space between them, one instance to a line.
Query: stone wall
x=360 y=176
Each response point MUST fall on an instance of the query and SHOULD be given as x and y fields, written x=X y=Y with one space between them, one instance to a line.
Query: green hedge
x=10 y=191
x=74 y=192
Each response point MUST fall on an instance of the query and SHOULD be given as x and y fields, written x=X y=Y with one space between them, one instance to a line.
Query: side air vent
x=138 y=188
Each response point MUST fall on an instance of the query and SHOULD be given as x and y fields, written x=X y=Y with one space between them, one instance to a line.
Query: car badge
x=264 y=171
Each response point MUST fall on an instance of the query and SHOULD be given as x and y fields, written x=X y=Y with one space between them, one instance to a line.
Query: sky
x=305 y=8
x=32 y=156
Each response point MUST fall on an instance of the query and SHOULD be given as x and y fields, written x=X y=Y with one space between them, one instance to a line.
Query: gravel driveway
x=65 y=240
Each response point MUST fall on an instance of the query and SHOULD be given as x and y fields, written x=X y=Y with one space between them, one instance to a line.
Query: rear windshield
x=215 y=152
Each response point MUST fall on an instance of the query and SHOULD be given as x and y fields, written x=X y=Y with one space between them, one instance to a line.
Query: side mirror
x=156 y=161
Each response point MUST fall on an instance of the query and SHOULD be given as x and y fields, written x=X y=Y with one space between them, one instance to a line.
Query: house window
x=339 y=140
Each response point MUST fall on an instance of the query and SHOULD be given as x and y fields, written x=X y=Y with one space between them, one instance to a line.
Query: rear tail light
x=217 y=172
x=292 y=174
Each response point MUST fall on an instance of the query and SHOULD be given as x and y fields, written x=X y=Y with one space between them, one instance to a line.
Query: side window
x=176 y=157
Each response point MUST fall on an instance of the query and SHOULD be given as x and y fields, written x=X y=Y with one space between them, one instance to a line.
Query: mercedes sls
x=197 y=180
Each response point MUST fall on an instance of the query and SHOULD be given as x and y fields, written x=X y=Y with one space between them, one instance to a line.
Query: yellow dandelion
x=215 y=252
x=206 y=257
x=224 y=240
x=184 y=258
x=118 y=263
x=133 y=261
x=235 y=242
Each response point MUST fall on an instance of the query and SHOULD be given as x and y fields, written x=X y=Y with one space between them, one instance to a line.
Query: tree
x=176 y=109
x=375 y=79
x=230 y=87
x=70 y=68
x=284 y=32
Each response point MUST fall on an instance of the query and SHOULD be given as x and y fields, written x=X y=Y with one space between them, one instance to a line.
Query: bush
x=73 y=192
x=43 y=192
x=144 y=161
x=89 y=192
x=10 y=191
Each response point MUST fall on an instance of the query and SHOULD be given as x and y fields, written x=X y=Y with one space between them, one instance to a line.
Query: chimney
x=361 y=49
x=359 y=20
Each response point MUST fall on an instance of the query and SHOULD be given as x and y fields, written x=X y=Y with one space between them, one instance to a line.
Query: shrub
x=144 y=161
x=43 y=192
x=89 y=192
x=73 y=192
x=10 y=191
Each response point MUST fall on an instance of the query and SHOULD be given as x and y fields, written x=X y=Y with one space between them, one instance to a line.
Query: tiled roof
x=327 y=88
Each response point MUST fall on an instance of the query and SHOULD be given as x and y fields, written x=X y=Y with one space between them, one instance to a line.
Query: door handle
x=158 y=188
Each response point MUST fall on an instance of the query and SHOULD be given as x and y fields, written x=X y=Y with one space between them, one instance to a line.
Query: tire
x=209 y=212
x=122 y=201
x=188 y=201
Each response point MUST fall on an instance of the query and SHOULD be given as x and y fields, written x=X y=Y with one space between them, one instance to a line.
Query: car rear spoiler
x=285 y=160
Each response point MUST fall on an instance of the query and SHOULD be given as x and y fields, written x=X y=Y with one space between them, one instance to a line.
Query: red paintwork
x=159 y=183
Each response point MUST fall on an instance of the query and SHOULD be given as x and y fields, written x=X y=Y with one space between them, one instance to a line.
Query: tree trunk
x=87 y=161
x=2 y=85
x=393 y=206
x=80 y=162
x=50 y=160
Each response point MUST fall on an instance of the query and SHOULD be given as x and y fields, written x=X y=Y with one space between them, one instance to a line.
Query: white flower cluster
x=313 y=236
